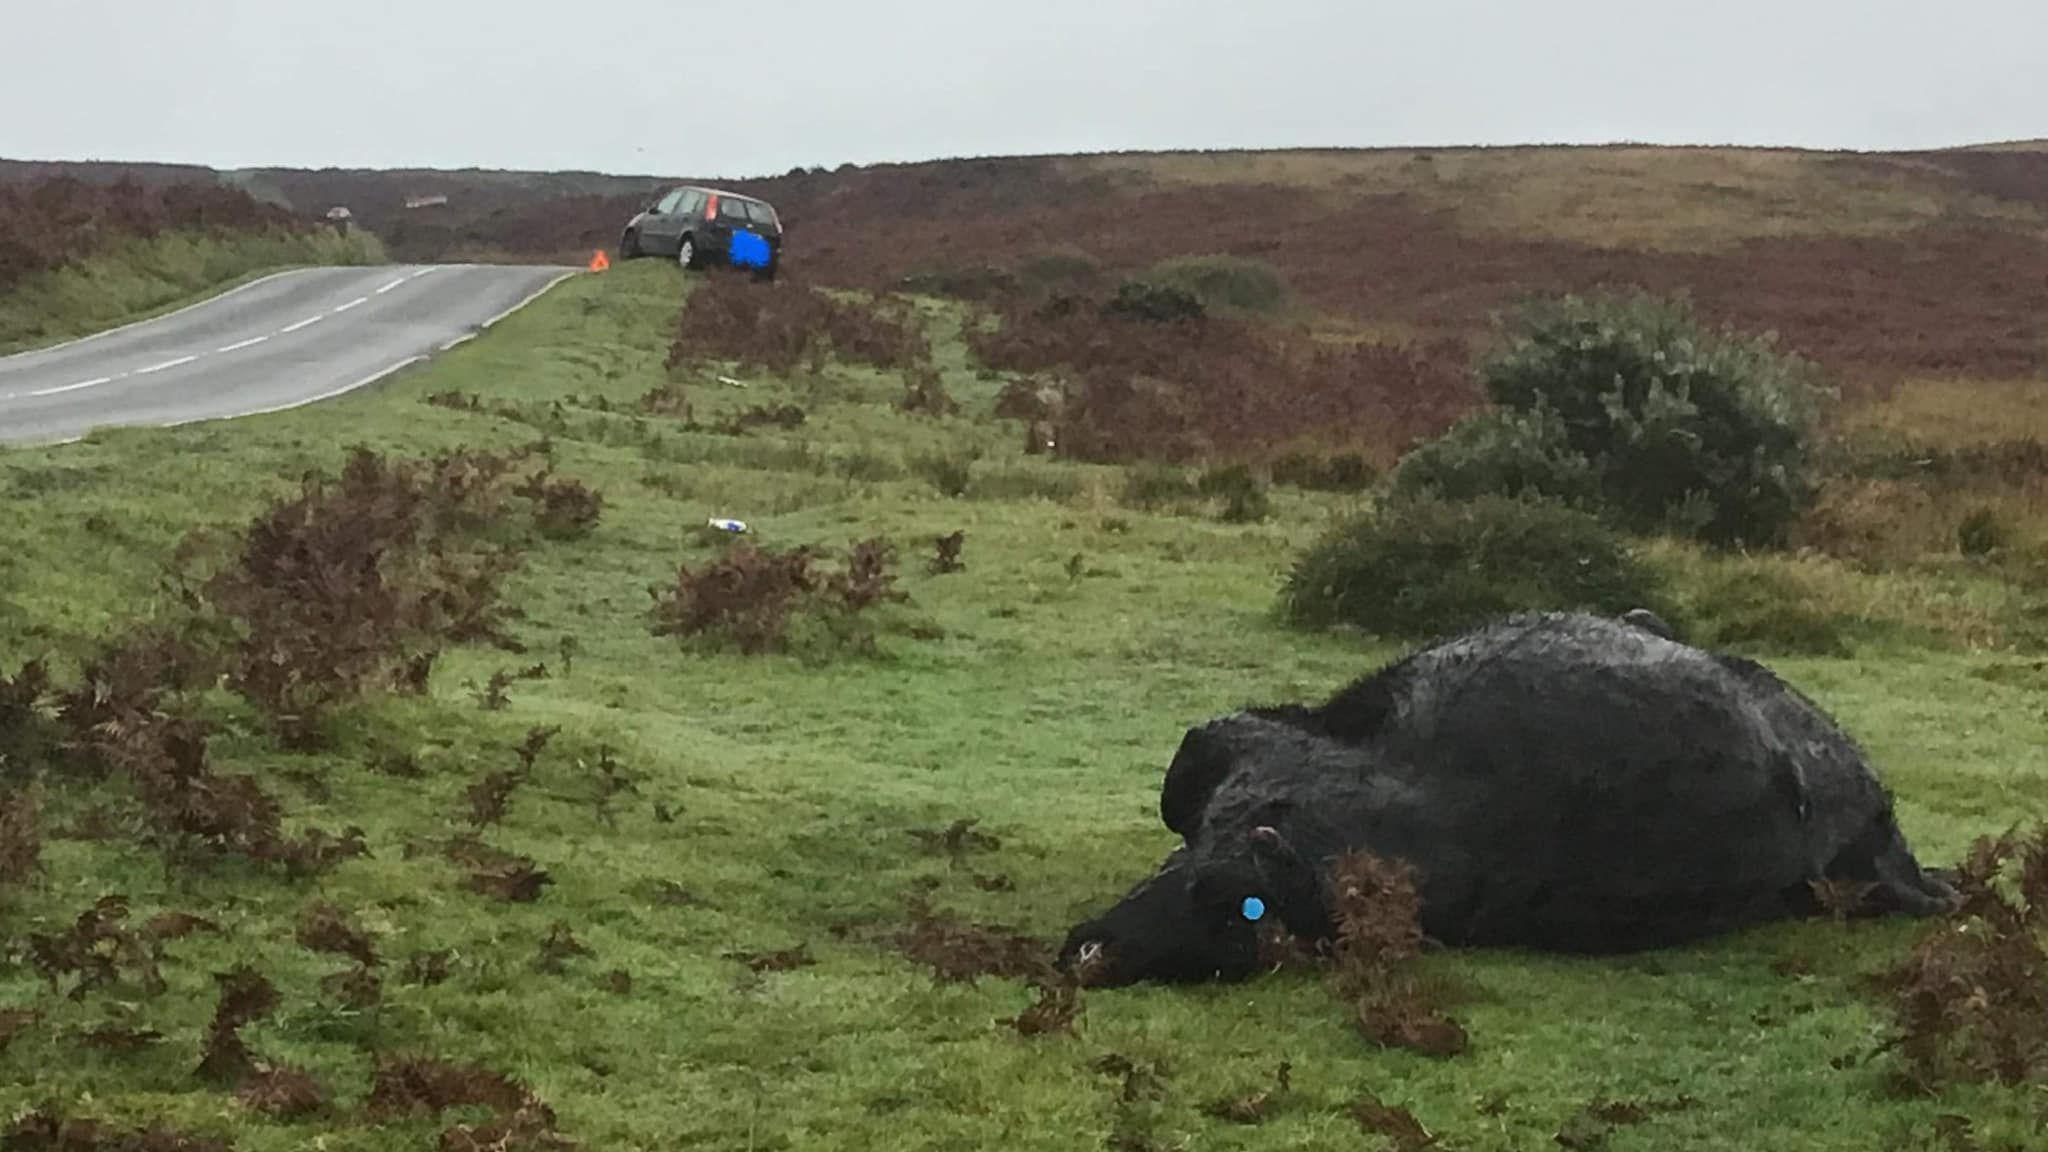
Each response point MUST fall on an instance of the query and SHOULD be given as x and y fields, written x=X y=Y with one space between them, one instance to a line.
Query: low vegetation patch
x=778 y=328
x=1969 y=1002
x=1424 y=567
x=1629 y=405
x=1149 y=379
x=749 y=596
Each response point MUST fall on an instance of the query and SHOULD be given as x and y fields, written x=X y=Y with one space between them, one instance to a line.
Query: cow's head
x=1202 y=915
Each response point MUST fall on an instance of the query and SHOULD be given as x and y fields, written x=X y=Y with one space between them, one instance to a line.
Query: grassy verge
x=137 y=279
x=1040 y=691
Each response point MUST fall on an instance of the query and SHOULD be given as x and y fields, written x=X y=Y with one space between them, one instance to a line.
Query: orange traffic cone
x=600 y=261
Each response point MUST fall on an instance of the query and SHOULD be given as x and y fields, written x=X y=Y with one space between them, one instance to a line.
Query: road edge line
x=540 y=292
x=344 y=390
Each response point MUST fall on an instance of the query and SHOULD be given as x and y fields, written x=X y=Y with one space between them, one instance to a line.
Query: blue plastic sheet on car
x=749 y=250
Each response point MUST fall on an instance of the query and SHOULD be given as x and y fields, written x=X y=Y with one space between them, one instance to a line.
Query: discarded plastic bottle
x=729 y=525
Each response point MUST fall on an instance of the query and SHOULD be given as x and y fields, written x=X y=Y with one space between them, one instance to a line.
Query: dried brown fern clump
x=869 y=577
x=924 y=393
x=563 y=509
x=1397 y=1125
x=960 y=952
x=1057 y=1008
x=408 y=1085
x=1379 y=938
x=323 y=927
x=1970 y=1001
x=98 y=949
x=282 y=1093
x=748 y=596
x=745 y=597
x=246 y=996
x=29 y=734
x=946 y=554
x=48 y=1130
x=560 y=947
x=21 y=836
x=355 y=580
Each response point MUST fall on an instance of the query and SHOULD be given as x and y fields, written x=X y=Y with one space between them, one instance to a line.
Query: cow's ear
x=1204 y=760
x=1271 y=845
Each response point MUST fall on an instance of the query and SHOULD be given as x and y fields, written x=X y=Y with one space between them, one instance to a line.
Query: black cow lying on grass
x=1562 y=781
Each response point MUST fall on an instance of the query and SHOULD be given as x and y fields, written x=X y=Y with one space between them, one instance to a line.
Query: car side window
x=693 y=203
x=670 y=202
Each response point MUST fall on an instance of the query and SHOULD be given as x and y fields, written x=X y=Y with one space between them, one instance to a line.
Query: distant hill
x=1879 y=264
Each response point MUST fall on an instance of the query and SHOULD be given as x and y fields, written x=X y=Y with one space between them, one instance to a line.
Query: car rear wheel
x=686 y=252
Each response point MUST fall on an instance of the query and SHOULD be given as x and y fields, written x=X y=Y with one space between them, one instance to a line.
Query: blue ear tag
x=1254 y=909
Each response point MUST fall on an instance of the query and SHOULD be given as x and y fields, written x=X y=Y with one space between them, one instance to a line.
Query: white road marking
x=74 y=387
x=365 y=382
x=390 y=286
x=249 y=343
x=306 y=323
x=353 y=303
x=159 y=319
x=458 y=342
x=164 y=365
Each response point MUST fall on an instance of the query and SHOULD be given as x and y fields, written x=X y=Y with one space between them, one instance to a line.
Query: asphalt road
x=277 y=343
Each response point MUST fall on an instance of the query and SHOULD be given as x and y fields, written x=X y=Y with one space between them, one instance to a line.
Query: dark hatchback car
x=703 y=226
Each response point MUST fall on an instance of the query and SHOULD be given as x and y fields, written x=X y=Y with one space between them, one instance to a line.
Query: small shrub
x=1379 y=938
x=749 y=596
x=946 y=557
x=1502 y=453
x=563 y=509
x=764 y=416
x=1969 y=1002
x=869 y=578
x=1224 y=282
x=1243 y=495
x=1424 y=567
x=1154 y=303
x=744 y=597
x=332 y=591
x=924 y=392
x=1707 y=433
x=1981 y=533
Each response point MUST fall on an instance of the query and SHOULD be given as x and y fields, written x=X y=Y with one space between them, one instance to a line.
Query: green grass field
x=1038 y=694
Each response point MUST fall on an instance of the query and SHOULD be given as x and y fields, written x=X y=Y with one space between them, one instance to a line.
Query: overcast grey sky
x=745 y=87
